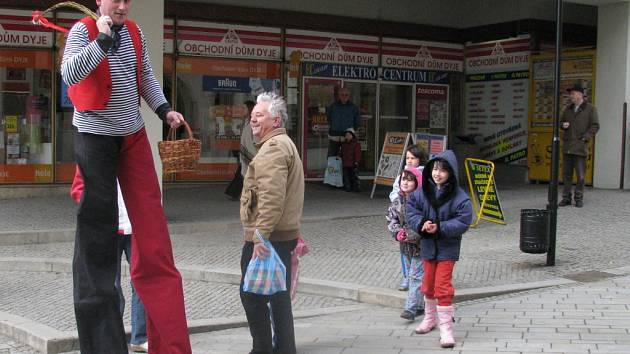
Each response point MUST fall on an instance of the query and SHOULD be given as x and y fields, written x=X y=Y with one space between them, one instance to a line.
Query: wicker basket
x=179 y=155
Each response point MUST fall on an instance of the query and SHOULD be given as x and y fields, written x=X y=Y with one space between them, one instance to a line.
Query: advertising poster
x=433 y=144
x=484 y=191
x=432 y=108
x=392 y=158
x=496 y=98
x=539 y=158
x=577 y=67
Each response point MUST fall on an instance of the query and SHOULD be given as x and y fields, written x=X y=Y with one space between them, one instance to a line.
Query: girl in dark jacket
x=440 y=212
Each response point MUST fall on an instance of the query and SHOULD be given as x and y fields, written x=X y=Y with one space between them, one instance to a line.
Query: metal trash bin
x=534 y=230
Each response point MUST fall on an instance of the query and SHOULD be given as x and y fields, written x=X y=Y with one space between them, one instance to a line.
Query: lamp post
x=555 y=144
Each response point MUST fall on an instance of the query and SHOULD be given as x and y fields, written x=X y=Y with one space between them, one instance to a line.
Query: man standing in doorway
x=271 y=208
x=107 y=67
x=342 y=114
x=580 y=124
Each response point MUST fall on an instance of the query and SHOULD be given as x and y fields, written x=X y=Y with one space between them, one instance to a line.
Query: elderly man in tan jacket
x=271 y=208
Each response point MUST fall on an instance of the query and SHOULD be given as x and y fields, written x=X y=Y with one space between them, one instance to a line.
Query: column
x=611 y=91
x=149 y=15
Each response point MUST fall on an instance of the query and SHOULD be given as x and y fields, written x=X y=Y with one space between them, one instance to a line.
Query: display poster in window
x=483 y=191
x=64 y=99
x=496 y=98
x=211 y=95
x=433 y=144
x=577 y=68
x=432 y=108
x=392 y=159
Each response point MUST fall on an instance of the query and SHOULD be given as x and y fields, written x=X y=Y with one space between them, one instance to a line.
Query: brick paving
x=348 y=242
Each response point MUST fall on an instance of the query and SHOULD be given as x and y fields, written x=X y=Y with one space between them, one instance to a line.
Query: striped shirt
x=122 y=115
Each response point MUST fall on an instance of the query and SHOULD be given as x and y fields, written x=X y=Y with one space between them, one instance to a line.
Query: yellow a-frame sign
x=483 y=191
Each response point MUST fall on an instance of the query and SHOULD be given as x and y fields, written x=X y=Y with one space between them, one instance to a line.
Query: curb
x=51 y=341
x=13 y=238
x=348 y=291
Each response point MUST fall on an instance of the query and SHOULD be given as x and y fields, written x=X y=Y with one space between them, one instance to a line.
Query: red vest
x=93 y=91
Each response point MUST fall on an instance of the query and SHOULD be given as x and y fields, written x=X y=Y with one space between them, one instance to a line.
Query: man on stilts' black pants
x=99 y=321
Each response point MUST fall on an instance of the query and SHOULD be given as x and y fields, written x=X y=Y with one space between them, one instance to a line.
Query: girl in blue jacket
x=440 y=212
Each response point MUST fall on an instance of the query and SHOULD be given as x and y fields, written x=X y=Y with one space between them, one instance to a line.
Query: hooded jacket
x=350 y=151
x=449 y=207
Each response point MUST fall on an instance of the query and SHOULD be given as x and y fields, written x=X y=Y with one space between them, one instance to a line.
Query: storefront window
x=25 y=120
x=395 y=104
x=432 y=111
x=167 y=87
x=211 y=94
x=64 y=152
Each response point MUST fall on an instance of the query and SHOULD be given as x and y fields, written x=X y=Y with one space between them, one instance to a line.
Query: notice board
x=391 y=160
x=483 y=191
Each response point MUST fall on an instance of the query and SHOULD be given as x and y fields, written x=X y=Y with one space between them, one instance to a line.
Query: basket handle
x=172 y=131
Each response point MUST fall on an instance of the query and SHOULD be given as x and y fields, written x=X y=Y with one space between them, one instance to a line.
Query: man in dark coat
x=580 y=124
x=342 y=114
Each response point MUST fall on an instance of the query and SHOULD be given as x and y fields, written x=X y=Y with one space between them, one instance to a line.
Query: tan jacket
x=583 y=125
x=273 y=190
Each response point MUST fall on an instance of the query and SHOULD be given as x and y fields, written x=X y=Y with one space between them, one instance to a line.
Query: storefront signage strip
x=409 y=75
x=514 y=75
x=372 y=73
x=412 y=54
x=217 y=49
x=340 y=71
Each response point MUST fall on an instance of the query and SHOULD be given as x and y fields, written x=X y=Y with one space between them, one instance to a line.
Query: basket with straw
x=179 y=155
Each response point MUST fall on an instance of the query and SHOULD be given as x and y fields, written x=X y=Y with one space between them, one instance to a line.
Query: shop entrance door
x=318 y=95
x=395 y=111
x=363 y=94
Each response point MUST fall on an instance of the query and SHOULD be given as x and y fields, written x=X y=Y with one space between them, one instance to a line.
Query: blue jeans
x=138 y=316
x=404 y=265
x=415 y=299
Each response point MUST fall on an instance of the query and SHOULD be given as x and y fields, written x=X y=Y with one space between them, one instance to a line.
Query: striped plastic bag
x=265 y=276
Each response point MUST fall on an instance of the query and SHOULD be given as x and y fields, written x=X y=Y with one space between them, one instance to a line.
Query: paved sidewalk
x=352 y=259
x=591 y=318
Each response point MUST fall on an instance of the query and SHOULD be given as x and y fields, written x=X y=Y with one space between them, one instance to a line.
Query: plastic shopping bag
x=265 y=276
x=334 y=174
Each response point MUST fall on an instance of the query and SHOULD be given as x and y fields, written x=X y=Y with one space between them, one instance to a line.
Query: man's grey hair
x=277 y=106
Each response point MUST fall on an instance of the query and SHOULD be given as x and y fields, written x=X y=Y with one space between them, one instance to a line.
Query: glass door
x=318 y=95
x=395 y=110
x=363 y=94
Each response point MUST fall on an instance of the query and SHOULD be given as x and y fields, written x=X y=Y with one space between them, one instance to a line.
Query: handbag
x=235 y=187
x=334 y=175
x=265 y=276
